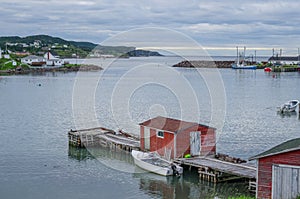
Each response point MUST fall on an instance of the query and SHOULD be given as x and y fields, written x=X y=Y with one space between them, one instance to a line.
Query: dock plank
x=222 y=166
x=120 y=140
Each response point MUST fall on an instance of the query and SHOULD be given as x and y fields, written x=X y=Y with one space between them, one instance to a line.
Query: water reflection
x=187 y=186
x=156 y=186
x=289 y=114
x=99 y=153
x=79 y=154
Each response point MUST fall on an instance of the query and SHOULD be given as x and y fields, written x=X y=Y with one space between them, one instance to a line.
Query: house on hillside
x=52 y=60
x=34 y=60
x=174 y=138
x=278 y=171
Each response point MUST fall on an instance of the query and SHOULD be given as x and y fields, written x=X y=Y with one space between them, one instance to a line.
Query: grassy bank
x=7 y=68
x=242 y=197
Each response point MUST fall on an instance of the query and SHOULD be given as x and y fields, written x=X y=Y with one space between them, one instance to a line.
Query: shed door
x=285 y=181
x=147 y=138
x=195 y=142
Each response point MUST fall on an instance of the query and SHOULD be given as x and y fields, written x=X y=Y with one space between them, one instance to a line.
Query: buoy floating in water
x=267 y=69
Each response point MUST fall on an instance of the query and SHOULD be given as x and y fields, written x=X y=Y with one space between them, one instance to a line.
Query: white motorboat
x=154 y=163
x=289 y=106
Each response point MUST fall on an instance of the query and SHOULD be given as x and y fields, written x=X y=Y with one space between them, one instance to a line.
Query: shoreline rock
x=204 y=64
x=59 y=69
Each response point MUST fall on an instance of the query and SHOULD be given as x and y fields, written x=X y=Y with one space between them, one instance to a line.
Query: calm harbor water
x=38 y=110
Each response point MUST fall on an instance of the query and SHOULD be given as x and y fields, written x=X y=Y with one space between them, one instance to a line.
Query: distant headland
x=47 y=53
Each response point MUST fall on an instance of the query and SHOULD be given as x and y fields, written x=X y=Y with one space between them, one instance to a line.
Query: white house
x=51 y=60
x=34 y=60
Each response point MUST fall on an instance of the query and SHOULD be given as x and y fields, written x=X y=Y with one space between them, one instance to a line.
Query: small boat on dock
x=154 y=163
x=289 y=106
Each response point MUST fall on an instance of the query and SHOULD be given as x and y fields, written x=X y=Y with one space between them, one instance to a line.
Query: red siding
x=142 y=141
x=183 y=142
x=166 y=142
x=264 y=180
x=159 y=144
x=208 y=141
x=153 y=146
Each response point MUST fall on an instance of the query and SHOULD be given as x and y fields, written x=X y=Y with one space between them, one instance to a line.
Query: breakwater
x=204 y=64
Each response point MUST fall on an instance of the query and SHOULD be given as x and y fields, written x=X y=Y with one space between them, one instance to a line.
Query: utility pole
x=76 y=57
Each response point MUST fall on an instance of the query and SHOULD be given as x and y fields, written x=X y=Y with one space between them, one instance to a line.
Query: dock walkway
x=103 y=137
x=217 y=170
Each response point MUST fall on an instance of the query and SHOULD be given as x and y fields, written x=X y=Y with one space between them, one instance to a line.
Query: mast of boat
x=237 y=55
x=244 y=54
x=280 y=54
x=298 y=58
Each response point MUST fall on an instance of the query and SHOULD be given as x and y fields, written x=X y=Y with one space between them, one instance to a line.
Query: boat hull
x=289 y=106
x=164 y=171
x=241 y=66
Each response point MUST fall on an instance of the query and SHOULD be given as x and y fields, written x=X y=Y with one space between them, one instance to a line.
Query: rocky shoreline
x=85 y=67
x=204 y=64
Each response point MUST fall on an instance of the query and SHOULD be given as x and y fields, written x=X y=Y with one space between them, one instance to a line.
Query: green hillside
x=39 y=44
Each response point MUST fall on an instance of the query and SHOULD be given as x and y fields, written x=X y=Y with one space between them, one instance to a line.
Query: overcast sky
x=216 y=25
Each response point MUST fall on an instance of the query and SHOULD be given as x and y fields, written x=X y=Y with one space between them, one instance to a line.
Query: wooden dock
x=209 y=168
x=103 y=137
x=214 y=170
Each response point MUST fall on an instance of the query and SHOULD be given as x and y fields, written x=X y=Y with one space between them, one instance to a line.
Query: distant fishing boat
x=154 y=163
x=243 y=66
x=242 y=63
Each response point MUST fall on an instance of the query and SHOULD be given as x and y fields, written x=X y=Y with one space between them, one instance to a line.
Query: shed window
x=160 y=134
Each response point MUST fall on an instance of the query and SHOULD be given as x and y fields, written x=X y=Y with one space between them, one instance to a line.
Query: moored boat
x=242 y=63
x=243 y=66
x=268 y=69
x=289 y=106
x=154 y=163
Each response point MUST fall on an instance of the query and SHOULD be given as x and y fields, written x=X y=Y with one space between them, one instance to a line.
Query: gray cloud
x=218 y=23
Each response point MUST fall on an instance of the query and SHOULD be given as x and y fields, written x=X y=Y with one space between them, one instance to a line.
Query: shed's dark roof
x=287 y=146
x=170 y=124
x=284 y=58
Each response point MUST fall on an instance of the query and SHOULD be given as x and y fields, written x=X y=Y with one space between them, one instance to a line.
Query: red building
x=278 y=171
x=175 y=138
